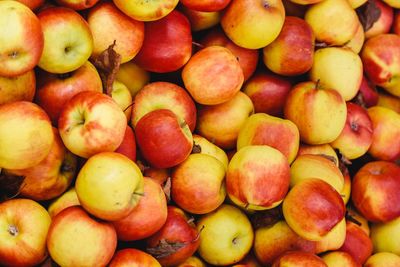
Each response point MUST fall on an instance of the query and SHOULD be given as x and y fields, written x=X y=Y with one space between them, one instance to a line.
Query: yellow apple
x=146 y=10
x=386 y=236
x=389 y=101
x=121 y=95
x=206 y=147
x=18 y=88
x=333 y=240
x=324 y=150
x=392 y=3
x=357 y=3
x=385 y=259
x=356 y=43
x=68 y=199
x=133 y=76
x=339 y=259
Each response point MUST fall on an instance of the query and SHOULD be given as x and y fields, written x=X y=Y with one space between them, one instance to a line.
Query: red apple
x=206 y=5
x=32 y=4
x=77 y=4
x=396 y=22
x=368 y=93
x=134 y=258
x=164 y=139
x=18 y=88
x=167 y=44
x=384 y=22
x=22 y=39
x=128 y=145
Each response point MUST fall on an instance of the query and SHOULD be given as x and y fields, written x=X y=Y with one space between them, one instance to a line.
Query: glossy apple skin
x=368 y=92
x=21 y=47
x=163 y=139
x=248 y=58
x=206 y=5
x=356 y=43
x=128 y=145
x=146 y=11
x=157 y=95
x=292 y=52
x=339 y=258
x=143 y=221
x=77 y=4
x=213 y=75
x=25 y=225
x=132 y=76
x=298 y=259
x=71 y=233
x=18 y=88
x=375 y=190
x=167 y=44
x=386 y=259
x=313 y=222
x=177 y=228
x=68 y=199
x=134 y=258
x=389 y=101
x=385 y=21
x=324 y=150
x=207 y=147
x=200 y=20
x=54 y=91
x=385 y=236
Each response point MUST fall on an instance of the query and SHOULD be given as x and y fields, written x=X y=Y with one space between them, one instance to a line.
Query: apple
x=258 y=177
x=316 y=166
x=26 y=135
x=146 y=11
x=384 y=124
x=198 y=184
x=206 y=147
x=356 y=136
x=133 y=76
x=356 y=43
x=227 y=235
x=159 y=95
x=334 y=22
x=384 y=22
x=346 y=190
x=386 y=259
x=222 y=123
x=385 y=236
x=25 y=225
x=109 y=185
x=292 y=52
x=18 y=88
x=309 y=220
x=380 y=57
x=213 y=75
x=108 y=24
x=128 y=145
x=68 y=41
x=273 y=240
x=206 y=5
x=332 y=240
x=357 y=243
x=357 y=3
x=134 y=258
x=255 y=28
x=121 y=95
x=319 y=114
x=32 y=4
x=71 y=237
x=305 y=2
x=54 y=90
x=298 y=259
x=163 y=138
x=339 y=259
x=248 y=58
x=159 y=176
x=268 y=92
x=77 y=4
x=179 y=232
x=248 y=261
x=388 y=101
x=91 y=122
x=368 y=93
x=200 y=20
x=52 y=176
x=66 y=200
x=363 y=223
x=192 y=261
x=396 y=22
x=325 y=150
x=338 y=68
x=263 y=129
x=392 y=3
x=143 y=221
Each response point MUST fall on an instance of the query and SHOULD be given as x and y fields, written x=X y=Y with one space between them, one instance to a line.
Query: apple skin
x=385 y=236
x=22 y=46
x=206 y=5
x=164 y=139
x=52 y=176
x=143 y=221
x=392 y=3
x=25 y=225
x=292 y=52
x=384 y=121
x=272 y=241
x=381 y=59
x=77 y=4
x=91 y=122
x=160 y=176
x=384 y=22
x=396 y=22
x=357 y=3
x=122 y=96
x=111 y=172
x=146 y=11
x=375 y=188
x=200 y=20
x=26 y=135
x=368 y=92
x=227 y=235
x=386 y=259
x=71 y=234
x=338 y=68
x=356 y=43
x=108 y=24
x=258 y=177
x=263 y=129
x=323 y=17
x=310 y=221
x=324 y=150
x=339 y=259
x=32 y=4
x=332 y=240
x=319 y=114
x=298 y=259
x=268 y=92
x=255 y=28
x=389 y=101
x=133 y=76
x=222 y=123
x=213 y=75
x=66 y=200
x=178 y=228
x=206 y=147
x=134 y=258
x=248 y=58
x=198 y=184
x=158 y=95
x=305 y=2
x=18 y=88
x=54 y=91
x=128 y=145
x=356 y=136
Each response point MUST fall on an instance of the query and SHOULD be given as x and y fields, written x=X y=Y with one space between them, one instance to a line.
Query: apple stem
x=198 y=234
x=198 y=44
x=318 y=84
x=13 y=230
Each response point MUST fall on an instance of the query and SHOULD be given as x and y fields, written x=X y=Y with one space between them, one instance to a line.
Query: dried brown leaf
x=165 y=248
x=368 y=14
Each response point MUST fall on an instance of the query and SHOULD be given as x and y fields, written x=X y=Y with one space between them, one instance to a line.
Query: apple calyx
x=13 y=230
x=165 y=248
x=266 y=5
x=368 y=14
x=196 y=148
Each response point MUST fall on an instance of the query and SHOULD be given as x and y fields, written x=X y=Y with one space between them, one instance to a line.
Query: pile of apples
x=200 y=133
